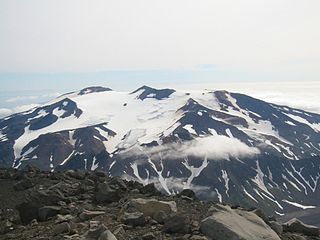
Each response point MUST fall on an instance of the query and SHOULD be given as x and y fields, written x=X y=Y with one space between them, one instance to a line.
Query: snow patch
x=298 y=205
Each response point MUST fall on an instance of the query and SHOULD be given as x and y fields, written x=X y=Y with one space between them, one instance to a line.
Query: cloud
x=4 y=112
x=296 y=94
x=21 y=98
x=25 y=107
x=214 y=147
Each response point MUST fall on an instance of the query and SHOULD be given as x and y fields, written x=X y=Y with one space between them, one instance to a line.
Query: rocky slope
x=91 y=205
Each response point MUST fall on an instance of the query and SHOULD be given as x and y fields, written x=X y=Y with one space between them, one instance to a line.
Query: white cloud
x=26 y=107
x=4 y=112
x=297 y=94
x=21 y=98
x=214 y=147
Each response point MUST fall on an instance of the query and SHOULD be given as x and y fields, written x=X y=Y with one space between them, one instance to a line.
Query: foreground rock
x=296 y=226
x=158 y=210
x=92 y=206
x=226 y=223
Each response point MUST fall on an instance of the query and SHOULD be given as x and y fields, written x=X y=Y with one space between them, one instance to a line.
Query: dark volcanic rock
x=23 y=184
x=178 y=223
x=134 y=219
x=94 y=89
x=47 y=212
x=188 y=193
x=294 y=225
x=105 y=194
x=125 y=213
x=149 y=189
x=61 y=228
x=148 y=92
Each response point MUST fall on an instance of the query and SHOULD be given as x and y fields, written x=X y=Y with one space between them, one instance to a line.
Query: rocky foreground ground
x=92 y=206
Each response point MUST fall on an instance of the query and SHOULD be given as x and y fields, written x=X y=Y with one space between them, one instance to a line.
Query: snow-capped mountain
x=226 y=146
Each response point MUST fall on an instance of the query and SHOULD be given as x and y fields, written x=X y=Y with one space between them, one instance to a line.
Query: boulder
x=277 y=227
x=177 y=223
x=153 y=207
x=47 y=212
x=5 y=226
x=296 y=226
x=117 y=183
x=64 y=218
x=226 y=223
x=293 y=236
x=197 y=237
x=149 y=189
x=260 y=214
x=61 y=228
x=77 y=174
x=105 y=194
x=134 y=219
x=107 y=235
x=23 y=184
x=98 y=232
x=148 y=236
x=87 y=215
x=29 y=209
x=120 y=233
x=188 y=193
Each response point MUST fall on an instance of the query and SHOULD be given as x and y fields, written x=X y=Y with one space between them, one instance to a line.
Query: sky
x=48 y=47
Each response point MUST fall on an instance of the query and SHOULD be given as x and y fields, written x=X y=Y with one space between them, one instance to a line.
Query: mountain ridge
x=224 y=144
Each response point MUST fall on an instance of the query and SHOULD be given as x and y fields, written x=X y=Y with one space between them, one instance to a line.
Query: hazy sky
x=60 y=45
x=255 y=36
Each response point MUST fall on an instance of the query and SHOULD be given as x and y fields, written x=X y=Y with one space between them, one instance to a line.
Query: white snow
x=41 y=113
x=58 y=112
x=213 y=132
x=298 y=205
x=195 y=172
x=292 y=183
x=3 y=137
x=273 y=200
x=307 y=182
x=85 y=163
x=268 y=142
x=256 y=114
x=226 y=180
x=132 y=138
x=280 y=214
x=249 y=195
x=30 y=150
x=219 y=195
x=290 y=123
x=66 y=160
x=95 y=164
x=51 y=163
x=315 y=126
x=259 y=180
x=111 y=165
x=134 y=167
x=258 y=193
x=229 y=133
x=190 y=129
